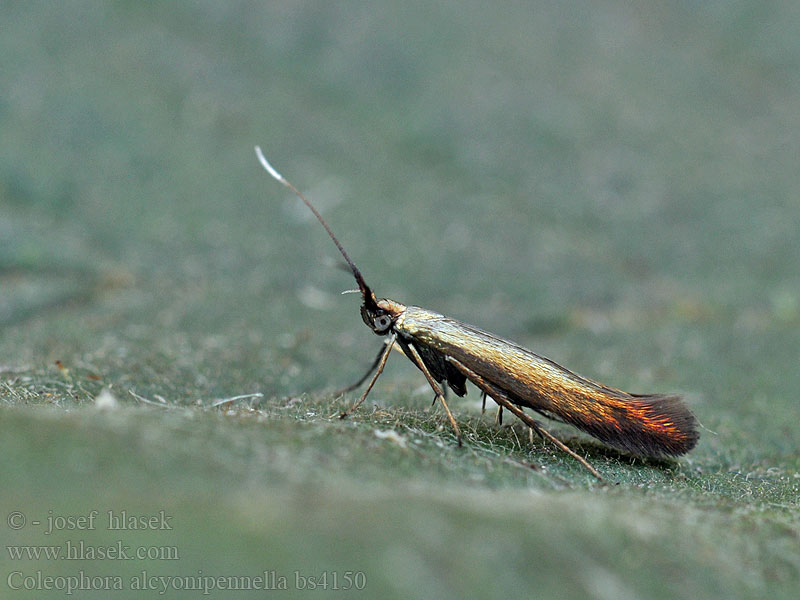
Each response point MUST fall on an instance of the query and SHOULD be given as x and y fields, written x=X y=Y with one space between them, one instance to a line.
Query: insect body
x=452 y=352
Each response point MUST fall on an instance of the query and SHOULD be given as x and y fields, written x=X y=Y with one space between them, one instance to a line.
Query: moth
x=449 y=351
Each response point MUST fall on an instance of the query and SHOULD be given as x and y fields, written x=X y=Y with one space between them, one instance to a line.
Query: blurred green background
x=613 y=185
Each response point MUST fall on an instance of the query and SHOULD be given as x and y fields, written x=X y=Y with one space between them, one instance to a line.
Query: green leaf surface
x=612 y=186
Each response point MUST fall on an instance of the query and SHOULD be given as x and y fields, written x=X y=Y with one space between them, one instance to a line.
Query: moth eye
x=382 y=322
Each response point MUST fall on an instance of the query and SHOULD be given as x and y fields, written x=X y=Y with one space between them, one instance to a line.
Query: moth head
x=381 y=314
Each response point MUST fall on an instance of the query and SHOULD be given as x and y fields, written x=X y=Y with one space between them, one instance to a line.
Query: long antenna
x=366 y=292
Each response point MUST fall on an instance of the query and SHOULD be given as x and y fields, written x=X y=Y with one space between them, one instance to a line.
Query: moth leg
x=444 y=395
x=499 y=396
x=498 y=417
x=369 y=372
x=436 y=389
x=379 y=369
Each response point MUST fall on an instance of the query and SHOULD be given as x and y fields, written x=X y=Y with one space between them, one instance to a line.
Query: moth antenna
x=366 y=292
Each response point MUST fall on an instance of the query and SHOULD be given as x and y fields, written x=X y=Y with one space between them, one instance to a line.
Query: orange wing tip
x=659 y=426
x=650 y=426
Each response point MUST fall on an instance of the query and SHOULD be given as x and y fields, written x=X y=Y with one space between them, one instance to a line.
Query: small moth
x=452 y=352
